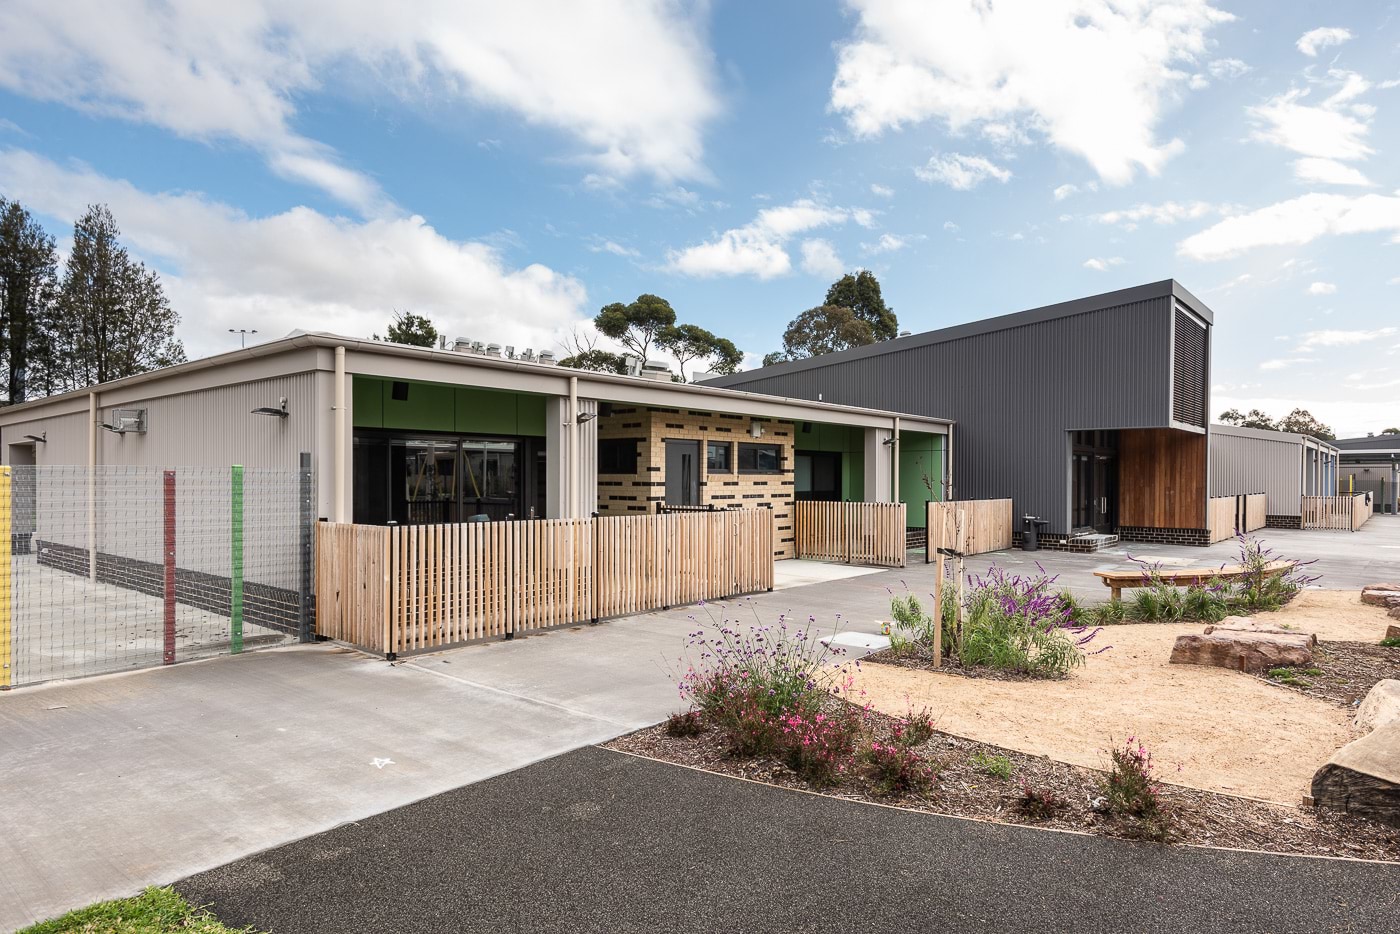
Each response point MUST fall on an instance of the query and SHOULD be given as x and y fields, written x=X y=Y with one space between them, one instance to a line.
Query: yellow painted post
x=6 y=632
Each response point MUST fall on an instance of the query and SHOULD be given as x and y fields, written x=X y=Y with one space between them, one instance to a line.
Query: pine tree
x=28 y=283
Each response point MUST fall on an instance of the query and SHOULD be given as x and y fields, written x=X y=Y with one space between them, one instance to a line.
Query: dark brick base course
x=916 y=538
x=1077 y=546
x=263 y=605
x=1283 y=522
x=1137 y=533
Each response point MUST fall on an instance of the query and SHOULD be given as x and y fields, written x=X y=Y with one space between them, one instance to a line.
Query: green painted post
x=235 y=616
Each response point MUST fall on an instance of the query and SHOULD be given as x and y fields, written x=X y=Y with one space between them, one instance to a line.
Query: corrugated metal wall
x=1015 y=393
x=1240 y=464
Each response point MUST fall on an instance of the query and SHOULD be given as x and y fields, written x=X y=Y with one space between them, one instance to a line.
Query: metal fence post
x=6 y=622
x=235 y=597
x=306 y=549
x=168 y=655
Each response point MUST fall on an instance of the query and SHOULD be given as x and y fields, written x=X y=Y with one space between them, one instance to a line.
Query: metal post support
x=306 y=549
x=235 y=598
x=168 y=655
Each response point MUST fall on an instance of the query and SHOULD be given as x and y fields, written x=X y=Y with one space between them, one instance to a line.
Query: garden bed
x=966 y=787
x=1342 y=673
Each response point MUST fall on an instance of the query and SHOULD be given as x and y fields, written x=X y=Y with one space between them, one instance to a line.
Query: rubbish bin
x=1031 y=529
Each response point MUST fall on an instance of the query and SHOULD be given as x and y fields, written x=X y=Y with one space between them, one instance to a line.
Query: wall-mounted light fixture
x=38 y=439
x=755 y=429
x=279 y=412
x=890 y=441
x=583 y=417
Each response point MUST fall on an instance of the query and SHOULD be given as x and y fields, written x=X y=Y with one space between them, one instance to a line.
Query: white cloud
x=960 y=172
x=1295 y=222
x=1395 y=281
x=758 y=247
x=1314 y=40
x=1225 y=68
x=223 y=268
x=1093 y=79
x=1283 y=363
x=1064 y=191
x=888 y=243
x=950 y=226
x=1198 y=82
x=630 y=81
x=883 y=191
x=819 y=259
x=613 y=247
x=1336 y=128
x=1168 y=212
x=1329 y=172
x=1322 y=288
x=1314 y=339
x=1102 y=265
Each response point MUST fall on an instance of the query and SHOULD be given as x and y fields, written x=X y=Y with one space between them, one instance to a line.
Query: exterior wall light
x=279 y=412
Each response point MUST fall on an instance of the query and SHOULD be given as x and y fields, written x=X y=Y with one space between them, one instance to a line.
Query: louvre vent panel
x=1189 y=371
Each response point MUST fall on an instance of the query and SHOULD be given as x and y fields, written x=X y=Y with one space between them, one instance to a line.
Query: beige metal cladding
x=1249 y=461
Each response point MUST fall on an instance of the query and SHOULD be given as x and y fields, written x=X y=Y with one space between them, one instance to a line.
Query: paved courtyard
x=121 y=781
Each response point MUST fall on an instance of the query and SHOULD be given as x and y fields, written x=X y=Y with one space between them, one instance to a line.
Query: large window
x=718 y=456
x=760 y=458
x=617 y=455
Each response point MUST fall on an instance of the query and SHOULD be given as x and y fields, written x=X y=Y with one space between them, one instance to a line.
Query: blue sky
x=506 y=169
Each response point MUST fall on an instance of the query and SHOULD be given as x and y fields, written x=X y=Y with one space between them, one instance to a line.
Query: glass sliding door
x=423 y=480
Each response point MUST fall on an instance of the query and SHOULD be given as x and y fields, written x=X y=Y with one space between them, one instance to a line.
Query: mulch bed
x=1348 y=671
x=965 y=790
x=921 y=658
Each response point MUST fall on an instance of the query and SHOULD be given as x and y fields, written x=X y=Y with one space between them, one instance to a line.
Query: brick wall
x=1283 y=522
x=1131 y=533
x=640 y=492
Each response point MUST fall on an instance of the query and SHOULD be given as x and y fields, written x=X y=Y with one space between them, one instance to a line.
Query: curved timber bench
x=1119 y=581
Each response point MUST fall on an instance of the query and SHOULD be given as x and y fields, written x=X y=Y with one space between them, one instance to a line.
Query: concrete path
x=118 y=782
x=600 y=841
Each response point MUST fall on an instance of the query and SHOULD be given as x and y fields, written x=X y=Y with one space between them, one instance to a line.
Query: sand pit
x=1208 y=728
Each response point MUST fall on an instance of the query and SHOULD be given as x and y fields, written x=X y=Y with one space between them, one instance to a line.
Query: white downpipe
x=572 y=461
x=338 y=490
x=894 y=463
x=94 y=429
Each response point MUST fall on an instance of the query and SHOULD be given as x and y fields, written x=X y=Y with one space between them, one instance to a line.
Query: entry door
x=683 y=473
x=1095 y=494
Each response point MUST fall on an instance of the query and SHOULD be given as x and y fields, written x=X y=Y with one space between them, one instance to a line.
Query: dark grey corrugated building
x=1092 y=413
x=1371 y=464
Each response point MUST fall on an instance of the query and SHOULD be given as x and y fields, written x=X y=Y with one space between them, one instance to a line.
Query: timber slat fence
x=1237 y=513
x=400 y=589
x=985 y=526
x=1339 y=513
x=855 y=533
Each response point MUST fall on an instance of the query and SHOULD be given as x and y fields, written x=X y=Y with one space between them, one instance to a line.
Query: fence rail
x=856 y=533
x=985 y=525
x=409 y=588
x=1338 y=513
x=1235 y=514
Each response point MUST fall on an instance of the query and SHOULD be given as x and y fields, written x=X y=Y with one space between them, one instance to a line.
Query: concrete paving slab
x=801 y=572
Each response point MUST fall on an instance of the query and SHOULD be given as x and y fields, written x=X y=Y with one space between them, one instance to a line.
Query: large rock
x=1363 y=777
x=1392 y=631
x=1380 y=597
x=1383 y=586
x=1381 y=705
x=1246 y=624
x=1243 y=651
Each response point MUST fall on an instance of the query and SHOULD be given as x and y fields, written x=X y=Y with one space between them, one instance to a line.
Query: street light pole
x=243 y=334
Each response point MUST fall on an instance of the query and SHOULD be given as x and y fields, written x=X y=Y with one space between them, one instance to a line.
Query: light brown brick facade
x=640 y=492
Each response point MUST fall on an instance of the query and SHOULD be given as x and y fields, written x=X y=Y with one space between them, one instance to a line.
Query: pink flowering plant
x=1133 y=792
x=820 y=747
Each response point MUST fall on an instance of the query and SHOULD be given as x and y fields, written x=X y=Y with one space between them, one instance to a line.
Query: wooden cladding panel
x=856 y=533
x=411 y=588
x=1162 y=479
x=981 y=525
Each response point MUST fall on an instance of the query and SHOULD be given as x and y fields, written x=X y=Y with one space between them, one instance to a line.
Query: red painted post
x=169 y=655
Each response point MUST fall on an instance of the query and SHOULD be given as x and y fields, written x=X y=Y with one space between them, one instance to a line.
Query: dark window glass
x=717 y=454
x=760 y=458
x=617 y=455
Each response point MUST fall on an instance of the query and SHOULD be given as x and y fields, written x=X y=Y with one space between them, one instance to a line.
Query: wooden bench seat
x=1119 y=581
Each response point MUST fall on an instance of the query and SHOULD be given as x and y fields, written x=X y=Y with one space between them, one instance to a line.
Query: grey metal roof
x=1387 y=443
x=1078 y=306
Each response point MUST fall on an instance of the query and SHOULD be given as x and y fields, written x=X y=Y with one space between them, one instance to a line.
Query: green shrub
x=1015 y=623
x=1133 y=792
x=1392 y=642
x=1037 y=804
x=1108 y=613
x=912 y=627
x=993 y=765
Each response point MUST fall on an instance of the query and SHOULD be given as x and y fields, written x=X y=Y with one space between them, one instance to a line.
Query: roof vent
x=493 y=350
x=906 y=333
x=657 y=371
x=462 y=345
x=547 y=357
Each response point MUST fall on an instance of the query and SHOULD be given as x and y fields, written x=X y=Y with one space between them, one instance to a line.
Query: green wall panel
x=439 y=407
x=919 y=454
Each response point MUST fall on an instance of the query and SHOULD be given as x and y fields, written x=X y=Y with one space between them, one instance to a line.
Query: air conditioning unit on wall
x=123 y=421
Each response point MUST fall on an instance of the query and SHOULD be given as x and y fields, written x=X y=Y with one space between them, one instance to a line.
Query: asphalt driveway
x=600 y=841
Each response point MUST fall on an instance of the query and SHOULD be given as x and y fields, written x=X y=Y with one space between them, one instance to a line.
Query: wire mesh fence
x=116 y=568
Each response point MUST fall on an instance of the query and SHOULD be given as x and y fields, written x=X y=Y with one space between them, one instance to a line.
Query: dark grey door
x=683 y=473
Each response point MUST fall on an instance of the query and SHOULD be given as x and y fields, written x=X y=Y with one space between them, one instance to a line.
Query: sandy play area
x=1207 y=727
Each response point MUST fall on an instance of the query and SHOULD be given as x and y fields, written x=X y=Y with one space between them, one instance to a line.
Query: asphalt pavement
x=600 y=841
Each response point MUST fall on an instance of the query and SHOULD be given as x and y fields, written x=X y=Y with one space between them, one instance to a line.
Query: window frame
x=753 y=446
x=729 y=461
x=618 y=443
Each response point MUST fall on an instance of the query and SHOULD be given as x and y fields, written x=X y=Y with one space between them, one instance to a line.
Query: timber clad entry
x=856 y=533
x=407 y=589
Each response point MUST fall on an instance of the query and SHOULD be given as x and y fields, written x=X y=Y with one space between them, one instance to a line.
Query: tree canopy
x=688 y=342
x=821 y=330
x=110 y=317
x=409 y=328
x=1390 y=431
x=636 y=326
x=1299 y=421
x=860 y=292
x=28 y=287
